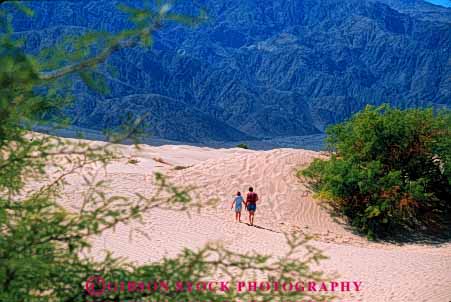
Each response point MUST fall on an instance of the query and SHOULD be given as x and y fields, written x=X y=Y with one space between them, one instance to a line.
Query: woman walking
x=251 y=204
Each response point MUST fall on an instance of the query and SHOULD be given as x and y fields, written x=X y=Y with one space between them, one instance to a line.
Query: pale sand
x=401 y=273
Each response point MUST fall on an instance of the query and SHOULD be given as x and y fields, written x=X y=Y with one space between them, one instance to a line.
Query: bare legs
x=238 y=216
x=251 y=217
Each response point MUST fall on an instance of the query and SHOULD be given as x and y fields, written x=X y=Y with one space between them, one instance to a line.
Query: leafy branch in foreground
x=391 y=170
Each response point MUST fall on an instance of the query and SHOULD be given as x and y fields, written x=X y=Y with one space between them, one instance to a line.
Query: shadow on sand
x=427 y=237
x=261 y=228
x=436 y=234
x=431 y=236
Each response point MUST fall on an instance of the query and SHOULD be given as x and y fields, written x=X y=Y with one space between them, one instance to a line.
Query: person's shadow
x=262 y=228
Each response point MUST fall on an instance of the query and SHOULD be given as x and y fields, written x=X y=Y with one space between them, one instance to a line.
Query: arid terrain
x=388 y=272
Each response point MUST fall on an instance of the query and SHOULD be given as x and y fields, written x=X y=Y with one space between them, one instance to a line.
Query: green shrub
x=242 y=146
x=391 y=169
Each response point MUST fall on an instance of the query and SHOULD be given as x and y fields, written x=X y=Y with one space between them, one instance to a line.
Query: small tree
x=391 y=168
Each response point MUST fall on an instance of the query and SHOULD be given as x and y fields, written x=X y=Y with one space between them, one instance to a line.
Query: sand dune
x=389 y=272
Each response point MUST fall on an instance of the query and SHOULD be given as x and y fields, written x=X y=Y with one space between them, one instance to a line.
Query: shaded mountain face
x=261 y=69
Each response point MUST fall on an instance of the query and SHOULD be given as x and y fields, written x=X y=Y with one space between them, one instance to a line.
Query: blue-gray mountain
x=261 y=69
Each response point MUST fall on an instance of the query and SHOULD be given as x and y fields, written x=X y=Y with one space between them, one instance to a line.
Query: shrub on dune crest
x=391 y=169
x=242 y=146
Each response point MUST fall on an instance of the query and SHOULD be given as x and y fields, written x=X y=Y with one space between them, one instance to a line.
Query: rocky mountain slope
x=261 y=69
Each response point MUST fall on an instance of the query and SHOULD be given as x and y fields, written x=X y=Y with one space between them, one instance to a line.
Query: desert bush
x=242 y=146
x=390 y=170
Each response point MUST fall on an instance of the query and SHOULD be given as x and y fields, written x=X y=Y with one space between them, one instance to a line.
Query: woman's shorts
x=252 y=207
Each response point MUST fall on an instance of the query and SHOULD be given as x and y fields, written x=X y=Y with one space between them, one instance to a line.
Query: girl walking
x=238 y=202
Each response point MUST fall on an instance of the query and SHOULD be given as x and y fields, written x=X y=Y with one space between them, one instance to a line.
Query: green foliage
x=43 y=245
x=391 y=169
x=242 y=146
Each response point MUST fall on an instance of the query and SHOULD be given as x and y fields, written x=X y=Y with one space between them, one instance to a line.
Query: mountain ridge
x=269 y=69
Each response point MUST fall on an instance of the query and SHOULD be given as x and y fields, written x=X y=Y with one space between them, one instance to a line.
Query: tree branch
x=98 y=59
